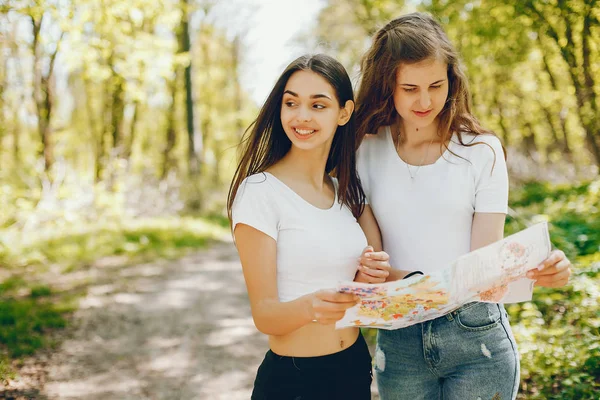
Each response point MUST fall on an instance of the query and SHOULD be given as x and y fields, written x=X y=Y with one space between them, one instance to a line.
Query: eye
x=289 y=103
x=436 y=87
x=319 y=106
x=409 y=90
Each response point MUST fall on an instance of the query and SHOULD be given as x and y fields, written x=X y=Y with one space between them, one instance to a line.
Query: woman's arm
x=487 y=228
x=258 y=254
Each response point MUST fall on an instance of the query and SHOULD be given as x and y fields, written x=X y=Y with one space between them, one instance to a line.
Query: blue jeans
x=469 y=354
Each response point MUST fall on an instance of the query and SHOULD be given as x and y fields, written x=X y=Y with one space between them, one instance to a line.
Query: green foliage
x=559 y=331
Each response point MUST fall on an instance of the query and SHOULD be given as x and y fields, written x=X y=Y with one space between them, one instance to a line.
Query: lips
x=422 y=113
x=303 y=133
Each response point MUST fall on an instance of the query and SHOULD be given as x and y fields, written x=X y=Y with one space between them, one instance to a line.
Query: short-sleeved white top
x=316 y=248
x=426 y=222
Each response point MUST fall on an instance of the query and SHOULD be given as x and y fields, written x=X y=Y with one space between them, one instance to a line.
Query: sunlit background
x=119 y=123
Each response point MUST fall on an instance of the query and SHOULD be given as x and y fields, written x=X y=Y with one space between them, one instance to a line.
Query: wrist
x=307 y=306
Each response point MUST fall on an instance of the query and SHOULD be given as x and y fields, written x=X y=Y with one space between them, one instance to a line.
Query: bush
x=559 y=331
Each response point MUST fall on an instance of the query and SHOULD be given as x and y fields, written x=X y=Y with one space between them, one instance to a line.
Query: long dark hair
x=265 y=142
x=410 y=39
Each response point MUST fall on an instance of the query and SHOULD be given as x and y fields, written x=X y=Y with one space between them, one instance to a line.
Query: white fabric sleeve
x=491 y=189
x=253 y=207
x=363 y=170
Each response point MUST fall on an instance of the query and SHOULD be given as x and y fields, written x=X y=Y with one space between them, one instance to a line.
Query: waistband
x=339 y=357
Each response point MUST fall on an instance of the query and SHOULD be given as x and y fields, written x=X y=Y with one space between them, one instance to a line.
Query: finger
x=377 y=255
x=329 y=318
x=561 y=266
x=337 y=297
x=555 y=280
x=558 y=267
x=362 y=277
x=374 y=264
x=375 y=273
x=554 y=257
x=552 y=282
x=325 y=308
x=383 y=265
x=367 y=250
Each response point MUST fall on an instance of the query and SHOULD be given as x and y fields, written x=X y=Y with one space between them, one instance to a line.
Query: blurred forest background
x=119 y=121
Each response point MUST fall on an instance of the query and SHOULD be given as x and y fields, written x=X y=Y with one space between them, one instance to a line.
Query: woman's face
x=421 y=91
x=310 y=112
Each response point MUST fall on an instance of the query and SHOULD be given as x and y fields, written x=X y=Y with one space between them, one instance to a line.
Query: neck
x=414 y=136
x=308 y=166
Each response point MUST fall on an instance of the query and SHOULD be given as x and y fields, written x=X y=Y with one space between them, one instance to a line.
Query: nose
x=304 y=114
x=425 y=100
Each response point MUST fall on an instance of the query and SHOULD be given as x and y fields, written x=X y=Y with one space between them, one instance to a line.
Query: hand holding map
x=494 y=273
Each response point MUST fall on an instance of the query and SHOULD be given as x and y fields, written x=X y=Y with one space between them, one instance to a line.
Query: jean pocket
x=479 y=317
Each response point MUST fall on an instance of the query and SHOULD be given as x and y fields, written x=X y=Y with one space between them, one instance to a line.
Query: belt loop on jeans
x=450 y=316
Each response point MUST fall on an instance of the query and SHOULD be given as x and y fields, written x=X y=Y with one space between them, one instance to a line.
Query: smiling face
x=421 y=91
x=310 y=112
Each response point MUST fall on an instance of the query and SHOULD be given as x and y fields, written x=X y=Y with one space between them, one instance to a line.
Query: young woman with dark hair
x=295 y=204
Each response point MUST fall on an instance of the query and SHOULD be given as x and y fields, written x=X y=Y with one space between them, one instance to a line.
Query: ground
x=166 y=330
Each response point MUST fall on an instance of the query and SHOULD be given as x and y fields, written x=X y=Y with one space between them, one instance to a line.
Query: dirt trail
x=166 y=330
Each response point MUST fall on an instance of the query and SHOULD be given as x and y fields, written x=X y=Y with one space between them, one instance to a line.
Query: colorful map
x=495 y=274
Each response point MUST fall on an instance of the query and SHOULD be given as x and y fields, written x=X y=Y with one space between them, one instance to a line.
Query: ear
x=346 y=113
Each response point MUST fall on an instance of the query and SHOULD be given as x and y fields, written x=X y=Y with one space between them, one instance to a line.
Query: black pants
x=344 y=375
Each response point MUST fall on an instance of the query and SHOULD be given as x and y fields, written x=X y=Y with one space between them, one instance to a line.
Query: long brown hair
x=265 y=142
x=410 y=39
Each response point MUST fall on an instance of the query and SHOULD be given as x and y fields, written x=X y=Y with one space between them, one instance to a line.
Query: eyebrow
x=312 y=96
x=411 y=85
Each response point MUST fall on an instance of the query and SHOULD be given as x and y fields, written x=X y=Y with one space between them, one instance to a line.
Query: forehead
x=425 y=71
x=307 y=83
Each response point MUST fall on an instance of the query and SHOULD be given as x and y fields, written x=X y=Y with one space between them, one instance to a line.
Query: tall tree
x=42 y=74
x=574 y=27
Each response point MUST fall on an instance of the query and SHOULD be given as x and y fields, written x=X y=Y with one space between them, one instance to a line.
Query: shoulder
x=256 y=185
x=479 y=147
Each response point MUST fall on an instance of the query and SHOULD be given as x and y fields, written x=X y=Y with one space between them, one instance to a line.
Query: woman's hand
x=553 y=272
x=328 y=306
x=373 y=266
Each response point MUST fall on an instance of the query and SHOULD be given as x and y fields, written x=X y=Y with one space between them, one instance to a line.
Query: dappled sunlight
x=102 y=384
x=92 y=302
x=142 y=270
x=230 y=336
x=173 y=363
x=200 y=283
x=163 y=342
x=169 y=299
x=234 y=381
x=127 y=298
x=101 y=289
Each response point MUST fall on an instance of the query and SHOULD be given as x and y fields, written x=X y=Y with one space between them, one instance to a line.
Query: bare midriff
x=313 y=340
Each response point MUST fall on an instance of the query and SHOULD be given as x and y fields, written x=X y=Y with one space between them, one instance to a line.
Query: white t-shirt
x=426 y=221
x=316 y=248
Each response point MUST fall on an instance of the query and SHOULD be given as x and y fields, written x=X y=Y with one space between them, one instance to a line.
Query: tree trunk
x=43 y=92
x=171 y=138
x=194 y=146
x=560 y=125
x=117 y=110
x=581 y=76
x=501 y=121
x=95 y=127
x=132 y=132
